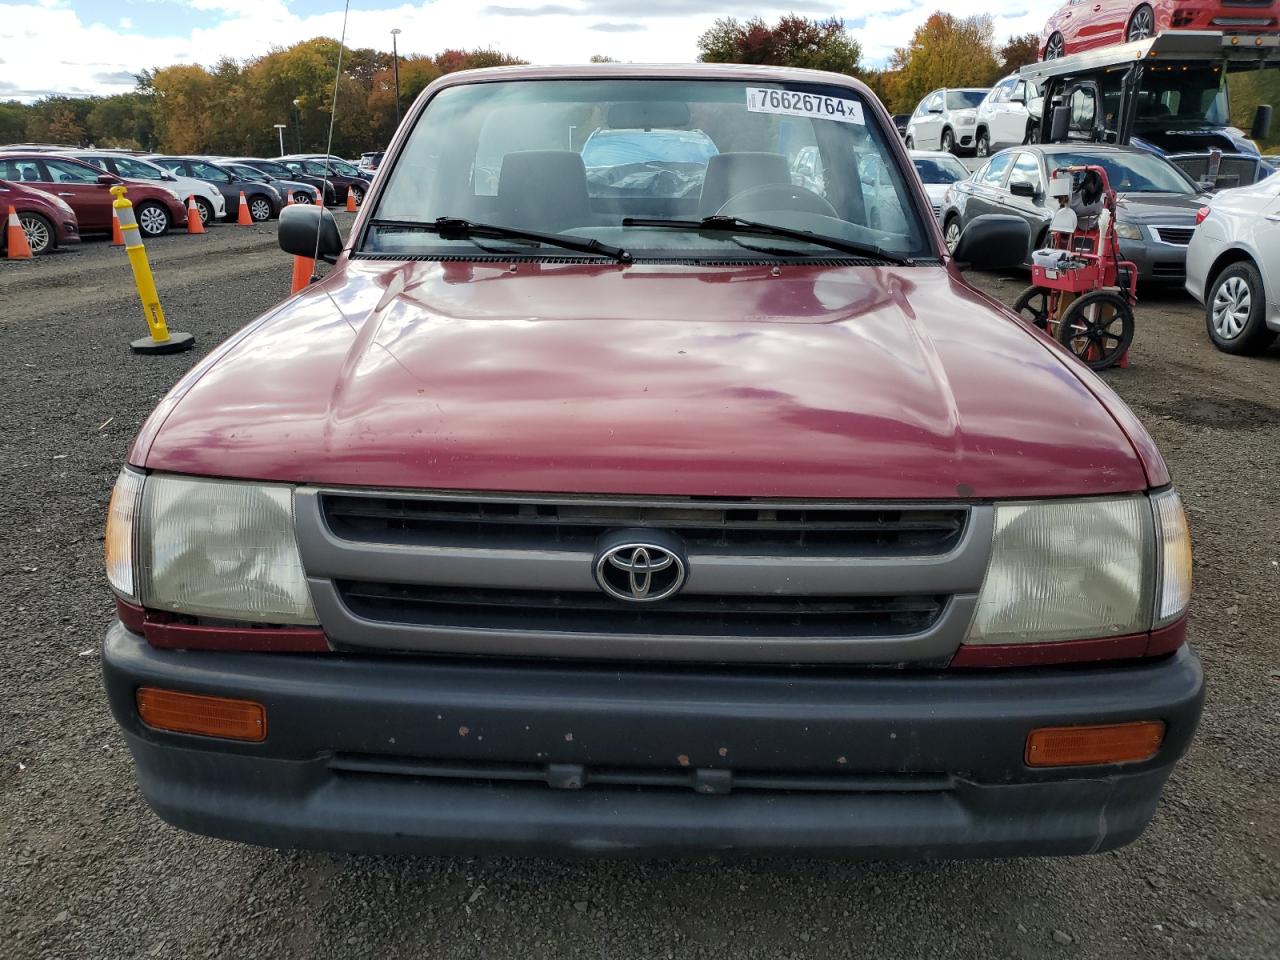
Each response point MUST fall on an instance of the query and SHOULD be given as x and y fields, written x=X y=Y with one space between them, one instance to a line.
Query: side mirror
x=1017 y=98
x=301 y=225
x=1060 y=125
x=935 y=109
x=1207 y=185
x=107 y=180
x=1021 y=188
x=1261 y=128
x=993 y=242
x=166 y=175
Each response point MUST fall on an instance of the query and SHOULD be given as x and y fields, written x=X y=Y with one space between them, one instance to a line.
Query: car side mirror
x=935 y=109
x=107 y=180
x=1060 y=125
x=1017 y=98
x=1261 y=128
x=307 y=230
x=993 y=242
x=1208 y=184
x=1023 y=189
x=166 y=175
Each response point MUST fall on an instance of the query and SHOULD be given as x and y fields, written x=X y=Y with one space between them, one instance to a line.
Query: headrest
x=729 y=174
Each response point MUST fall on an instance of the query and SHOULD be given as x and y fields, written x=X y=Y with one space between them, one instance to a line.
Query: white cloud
x=543 y=31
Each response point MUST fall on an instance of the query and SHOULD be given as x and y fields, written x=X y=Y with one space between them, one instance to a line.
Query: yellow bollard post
x=162 y=340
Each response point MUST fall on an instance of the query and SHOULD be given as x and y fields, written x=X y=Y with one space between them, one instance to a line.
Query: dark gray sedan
x=1156 y=212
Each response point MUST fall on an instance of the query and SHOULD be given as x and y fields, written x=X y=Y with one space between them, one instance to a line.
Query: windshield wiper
x=454 y=228
x=718 y=224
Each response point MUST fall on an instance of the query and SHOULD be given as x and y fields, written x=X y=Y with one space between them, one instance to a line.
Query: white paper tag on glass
x=769 y=100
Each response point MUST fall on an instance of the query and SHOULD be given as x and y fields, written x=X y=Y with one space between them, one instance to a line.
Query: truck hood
x=1170 y=208
x=732 y=381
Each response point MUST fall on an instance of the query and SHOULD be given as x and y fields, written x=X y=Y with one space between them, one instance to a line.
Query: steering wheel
x=777 y=196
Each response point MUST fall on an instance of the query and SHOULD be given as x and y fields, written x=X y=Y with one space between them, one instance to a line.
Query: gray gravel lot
x=86 y=871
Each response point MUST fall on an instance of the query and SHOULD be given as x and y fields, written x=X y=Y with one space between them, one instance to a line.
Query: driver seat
x=729 y=174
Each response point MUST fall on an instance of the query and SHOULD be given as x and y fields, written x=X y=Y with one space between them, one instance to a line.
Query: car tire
x=260 y=208
x=982 y=145
x=948 y=142
x=301 y=196
x=1141 y=25
x=910 y=142
x=951 y=233
x=205 y=209
x=1033 y=306
x=153 y=218
x=358 y=193
x=1055 y=46
x=39 y=231
x=1089 y=328
x=1235 y=311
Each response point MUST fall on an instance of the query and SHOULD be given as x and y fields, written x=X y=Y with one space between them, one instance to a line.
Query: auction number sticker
x=769 y=100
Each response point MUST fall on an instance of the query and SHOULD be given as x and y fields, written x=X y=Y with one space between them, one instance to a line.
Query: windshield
x=965 y=99
x=138 y=169
x=1182 y=100
x=1137 y=172
x=341 y=167
x=580 y=156
x=940 y=169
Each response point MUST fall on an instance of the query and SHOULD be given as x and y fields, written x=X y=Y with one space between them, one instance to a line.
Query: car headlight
x=1082 y=569
x=207 y=548
x=1128 y=231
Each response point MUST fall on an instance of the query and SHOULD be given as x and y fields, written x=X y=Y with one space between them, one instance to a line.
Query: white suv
x=1009 y=116
x=946 y=120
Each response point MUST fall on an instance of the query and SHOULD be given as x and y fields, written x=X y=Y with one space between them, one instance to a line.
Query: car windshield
x=1182 y=100
x=580 y=156
x=138 y=169
x=964 y=99
x=342 y=167
x=940 y=169
x=1137 y=172
x=271 y=169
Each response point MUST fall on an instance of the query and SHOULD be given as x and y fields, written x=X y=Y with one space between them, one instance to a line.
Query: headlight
x=1128 y=231
x=207 y=548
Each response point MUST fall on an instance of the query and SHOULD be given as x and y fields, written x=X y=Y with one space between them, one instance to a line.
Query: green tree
x=125 y=121
x=13 y=121
x=60 y=120
x=793 y=42
x=1019 y=52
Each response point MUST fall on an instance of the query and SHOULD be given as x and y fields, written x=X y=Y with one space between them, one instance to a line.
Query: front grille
x=1234 y=170
x=685 y=615
x=569 y=776
x=551 y=526
x=1180 y=236
x=1169 y=271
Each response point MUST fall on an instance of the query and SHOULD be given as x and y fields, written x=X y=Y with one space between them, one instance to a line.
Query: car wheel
x=153 y=218
x=358 y=194
x=260 y=208
x=39 y=232
x=301 y=196
x=1055 y=47
x=951 y=234
x=911 y=143
x=982 y=147
x=948 y=144
x=1141 y=25
x=205 y=209
x=1235 y=311
x=1097 y=328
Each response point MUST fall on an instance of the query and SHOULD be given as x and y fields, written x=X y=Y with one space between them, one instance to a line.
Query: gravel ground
x=86 y=871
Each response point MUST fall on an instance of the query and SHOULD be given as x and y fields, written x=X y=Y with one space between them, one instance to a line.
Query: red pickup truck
x=667 y=505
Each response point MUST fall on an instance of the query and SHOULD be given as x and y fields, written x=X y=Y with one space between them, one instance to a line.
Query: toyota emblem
x=640 y=572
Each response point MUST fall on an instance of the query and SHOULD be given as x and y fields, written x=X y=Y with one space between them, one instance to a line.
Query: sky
x=79 y=47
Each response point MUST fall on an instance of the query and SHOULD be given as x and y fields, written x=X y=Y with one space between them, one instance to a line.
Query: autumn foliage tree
x=945 y=51
x=793 y=42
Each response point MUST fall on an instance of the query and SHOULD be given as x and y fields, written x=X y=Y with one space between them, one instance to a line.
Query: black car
x=339 y=173
x=264 y=200
x=278 y=171
x=1156 y=210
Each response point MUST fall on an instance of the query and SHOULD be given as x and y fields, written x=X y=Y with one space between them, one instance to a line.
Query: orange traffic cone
x=288 y=197
x=19 y=249
x=117 y=238
x=351 y=200
x=243 y=218
x=194 y=223
x=303 y=268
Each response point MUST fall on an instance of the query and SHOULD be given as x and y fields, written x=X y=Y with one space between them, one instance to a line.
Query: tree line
x=232 y=107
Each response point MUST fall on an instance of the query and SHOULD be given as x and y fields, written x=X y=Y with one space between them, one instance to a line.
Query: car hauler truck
x=1167 y=94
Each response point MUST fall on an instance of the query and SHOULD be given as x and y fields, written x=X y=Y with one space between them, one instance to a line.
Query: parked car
x=938 y=171
x=368 y=164
x=1233 y=267
x=1009 y=115
x=1157 y=202
x=209 y=201
x=47 y=220
x=900 y=121
x=946 y=120
x=542 y=523
x=84 y=188
x=338 y=173
x=293 y=190
x=1084 y=24
x=277 y=171
x=263 y=200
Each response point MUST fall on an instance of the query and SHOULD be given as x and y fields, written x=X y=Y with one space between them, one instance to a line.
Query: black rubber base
x=176 y=343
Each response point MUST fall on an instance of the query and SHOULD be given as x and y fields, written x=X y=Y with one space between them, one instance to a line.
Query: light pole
x=395 y=66
x=297 y=123
x=280 y=131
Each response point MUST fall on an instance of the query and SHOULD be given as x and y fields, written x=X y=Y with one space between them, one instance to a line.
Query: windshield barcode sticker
x=769 y=100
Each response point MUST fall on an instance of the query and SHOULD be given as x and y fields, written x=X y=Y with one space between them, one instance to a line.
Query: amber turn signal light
x=205 y=716
x=1109 y=743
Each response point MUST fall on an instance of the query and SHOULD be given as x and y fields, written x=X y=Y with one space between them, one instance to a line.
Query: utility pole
x=395 y=65
x=280 y=131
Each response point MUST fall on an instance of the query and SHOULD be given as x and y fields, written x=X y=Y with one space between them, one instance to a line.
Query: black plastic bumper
x=407 y=755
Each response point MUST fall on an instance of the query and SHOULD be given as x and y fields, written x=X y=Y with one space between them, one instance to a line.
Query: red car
x=1084 y=24
x=48 y=221
x=86 y=190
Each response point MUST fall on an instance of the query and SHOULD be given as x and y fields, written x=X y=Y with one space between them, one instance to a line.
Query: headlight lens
x=1174 y=544
x=1067 y=570
x=214 y=548
x=1128 y=231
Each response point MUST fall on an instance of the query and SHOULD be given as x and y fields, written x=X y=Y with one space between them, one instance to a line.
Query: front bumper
x=1156 y=262
x=393 y=754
